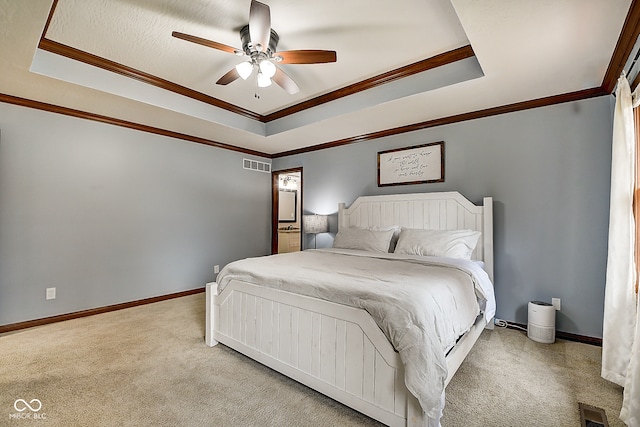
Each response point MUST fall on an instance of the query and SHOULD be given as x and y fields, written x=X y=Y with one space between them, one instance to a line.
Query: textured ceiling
x=381 y=39
x=524 y=50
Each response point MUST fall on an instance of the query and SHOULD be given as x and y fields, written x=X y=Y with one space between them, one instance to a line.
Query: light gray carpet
x=149 y=366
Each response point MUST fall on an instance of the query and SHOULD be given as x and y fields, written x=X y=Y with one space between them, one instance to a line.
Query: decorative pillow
x=363 y=239
x=441 y=243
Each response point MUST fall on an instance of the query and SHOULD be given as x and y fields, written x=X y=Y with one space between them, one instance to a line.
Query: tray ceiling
x=519 y=51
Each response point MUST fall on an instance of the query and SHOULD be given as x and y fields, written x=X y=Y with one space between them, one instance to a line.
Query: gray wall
x=108 y=215
x=548 y=170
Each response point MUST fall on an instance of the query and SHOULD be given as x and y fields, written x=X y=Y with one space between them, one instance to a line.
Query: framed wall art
x=411 y=165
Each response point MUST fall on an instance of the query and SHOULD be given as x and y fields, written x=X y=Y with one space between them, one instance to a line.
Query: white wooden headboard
x=430 y=211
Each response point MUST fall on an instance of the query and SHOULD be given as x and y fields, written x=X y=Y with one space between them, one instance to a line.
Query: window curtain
x=621 y=331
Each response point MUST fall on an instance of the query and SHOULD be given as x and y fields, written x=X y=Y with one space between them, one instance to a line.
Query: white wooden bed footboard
x=332 y=348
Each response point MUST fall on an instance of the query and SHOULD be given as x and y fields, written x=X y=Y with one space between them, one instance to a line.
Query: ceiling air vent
x=256 y=165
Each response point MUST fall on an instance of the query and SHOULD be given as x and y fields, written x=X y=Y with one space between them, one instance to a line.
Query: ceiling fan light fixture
x=244 y=69
x=263 y=80
x=267 y=68
x=259 y=46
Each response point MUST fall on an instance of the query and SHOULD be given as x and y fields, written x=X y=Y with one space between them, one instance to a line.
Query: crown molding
x=440 y=60
x=106 y=64
x=38 y=105
x=626 y=41
x=504 y=109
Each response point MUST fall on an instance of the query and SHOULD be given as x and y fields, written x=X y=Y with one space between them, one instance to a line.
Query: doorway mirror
x=287 y=208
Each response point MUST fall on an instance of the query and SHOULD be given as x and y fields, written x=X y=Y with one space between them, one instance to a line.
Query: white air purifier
x=542 y=322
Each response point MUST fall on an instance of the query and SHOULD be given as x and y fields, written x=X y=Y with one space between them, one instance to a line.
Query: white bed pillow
x=441 y=243
x=394 y=237
x=363 y=239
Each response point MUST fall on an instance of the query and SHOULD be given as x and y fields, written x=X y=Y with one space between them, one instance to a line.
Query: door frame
x=275 y=179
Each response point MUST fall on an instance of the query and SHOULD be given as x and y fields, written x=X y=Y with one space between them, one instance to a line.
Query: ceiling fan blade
x=283 y=80
x=259 y=25
x=231 y=76
x=205 y=42
x=306 y=56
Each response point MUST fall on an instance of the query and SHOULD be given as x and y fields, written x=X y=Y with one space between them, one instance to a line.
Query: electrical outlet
x=216 y=269
x=51 y=293
x=556 y=303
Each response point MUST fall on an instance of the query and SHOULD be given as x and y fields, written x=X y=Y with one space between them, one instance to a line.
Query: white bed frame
x=339 y=350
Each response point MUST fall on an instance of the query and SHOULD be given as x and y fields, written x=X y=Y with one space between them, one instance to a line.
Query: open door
x=286 y=210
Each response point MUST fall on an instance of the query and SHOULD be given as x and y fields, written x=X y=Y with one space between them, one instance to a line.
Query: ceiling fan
x=259 y=42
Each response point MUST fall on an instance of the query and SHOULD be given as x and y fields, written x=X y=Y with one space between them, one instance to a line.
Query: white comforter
x=422 y=304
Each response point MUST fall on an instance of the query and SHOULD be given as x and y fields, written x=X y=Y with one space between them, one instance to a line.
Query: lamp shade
x=314 y=224
x=244 y=69
x=267 y=68
x=263 y=80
